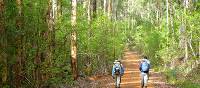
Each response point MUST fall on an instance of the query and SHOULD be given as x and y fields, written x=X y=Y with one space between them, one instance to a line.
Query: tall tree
x=94 y=8
x=51 y=21
x=199 y=49
x=158 y=12
x=74 y=41
x=3 y=46
x=1 y=16
x=184 y=24
x=89 y=11
x=110 y=9
x=105 y=6
x=89 y=18
x=167 y=11
x=171 y=16
x=19 y=42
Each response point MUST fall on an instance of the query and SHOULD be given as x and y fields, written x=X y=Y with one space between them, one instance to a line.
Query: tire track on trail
x=131 y=77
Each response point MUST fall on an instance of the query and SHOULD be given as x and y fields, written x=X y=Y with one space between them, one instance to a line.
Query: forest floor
x=131 y=78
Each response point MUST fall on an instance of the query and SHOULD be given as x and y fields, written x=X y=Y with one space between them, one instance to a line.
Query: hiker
x=144 y=69
x=117 y=72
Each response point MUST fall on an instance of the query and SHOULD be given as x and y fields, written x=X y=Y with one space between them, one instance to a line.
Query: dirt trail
x=131 y=78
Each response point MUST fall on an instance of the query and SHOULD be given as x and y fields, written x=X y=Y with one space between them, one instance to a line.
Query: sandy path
x=131 y=78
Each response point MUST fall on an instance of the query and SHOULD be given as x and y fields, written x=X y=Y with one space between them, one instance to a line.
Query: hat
x=116 y=60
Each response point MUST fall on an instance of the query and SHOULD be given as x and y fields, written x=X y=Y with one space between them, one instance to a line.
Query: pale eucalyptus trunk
x=199 y=50
x=74 y=40
x=128 y=15
x=167 y=12
x=110 y=9
x=89 y=30
x=171 y=17
x=89 y=11
x=185 y=35
x=105 y=6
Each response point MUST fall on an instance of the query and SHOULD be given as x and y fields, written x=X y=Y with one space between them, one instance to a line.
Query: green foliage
x=188 y=84
x=99 y=41
x=162 y=44
x=171 y=75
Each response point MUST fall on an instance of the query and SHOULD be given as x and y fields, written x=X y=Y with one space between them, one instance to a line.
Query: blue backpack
x=117 y=69
x=145 y=66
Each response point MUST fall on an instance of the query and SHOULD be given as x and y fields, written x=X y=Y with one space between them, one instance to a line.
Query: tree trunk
x=157 y=11
x=37 y=72
x=54 y=11
x=94 y=8
x=19 y=41
x=3 y=46
x=167 y=20
x=186 y=49
x=84 y=4
x=186 y=3
x=89 y=31
x=59 y=11
x=190 y=45
x=105 y=6
x=185 y=35
x=51 y=20
x=115 y=9
x=98 y=6
x=89 y=12
x=2 y=16
x=199 y=49
x=128 y=15
x=73 y=41
x=171 y=17
x=110 y=9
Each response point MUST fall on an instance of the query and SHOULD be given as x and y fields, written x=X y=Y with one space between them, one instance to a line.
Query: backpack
x=144 y=66
x=117 y=69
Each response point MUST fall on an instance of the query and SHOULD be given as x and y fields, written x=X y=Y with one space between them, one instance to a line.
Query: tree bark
x=167 y=20
x=89 y=31
x=110 y=9
x=186 y=49
x=171 y=17
x=51 y=20
x=94 y=8
x=115 y=9
x=73 y=41
x=37 y=72
x=89 y=12
x=128 y=15
x=19 y=42
x=185 y=35
x=186 y=3
x=59 y=9
x=3 y=46
x=2 y=16
x=157 y=11
x=199 y=49
x=105 y=6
